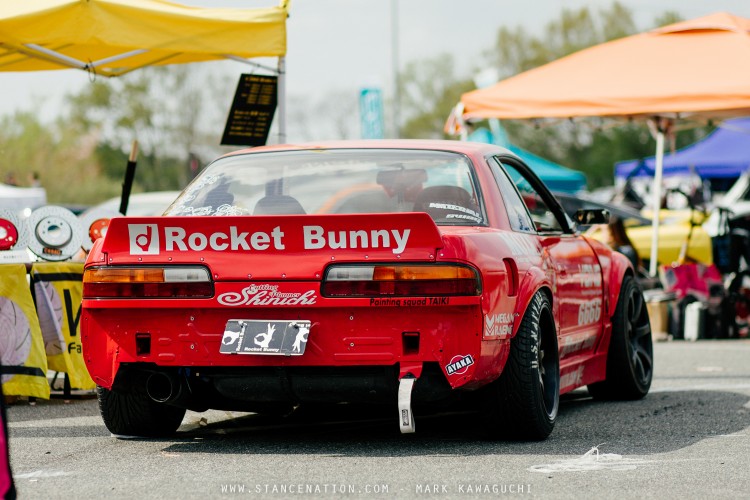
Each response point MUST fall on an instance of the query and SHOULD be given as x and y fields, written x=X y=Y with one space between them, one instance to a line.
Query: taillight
x=147 y=282
x=400 y=280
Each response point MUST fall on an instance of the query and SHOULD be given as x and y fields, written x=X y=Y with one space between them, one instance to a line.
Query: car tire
x=522 y=404
x=630 y=359
x=133 y=413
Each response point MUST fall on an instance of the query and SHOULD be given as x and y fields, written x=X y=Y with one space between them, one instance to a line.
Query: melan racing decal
x=459 y=364
x=145 y=239
x=266 y=295
x=498 y=325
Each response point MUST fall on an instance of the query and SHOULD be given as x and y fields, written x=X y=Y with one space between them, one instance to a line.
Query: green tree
x=58 y=153
x=162 y=108
x=429 y=89
x=592 y=146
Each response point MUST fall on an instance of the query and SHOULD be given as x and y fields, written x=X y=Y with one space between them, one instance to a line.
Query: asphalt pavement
x=689 y=438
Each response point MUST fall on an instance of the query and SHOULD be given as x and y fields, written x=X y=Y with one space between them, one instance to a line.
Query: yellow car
x=674 y=230
x=675 y=237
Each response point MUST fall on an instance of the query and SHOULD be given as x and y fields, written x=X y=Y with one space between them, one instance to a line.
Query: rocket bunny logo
x=144 y=239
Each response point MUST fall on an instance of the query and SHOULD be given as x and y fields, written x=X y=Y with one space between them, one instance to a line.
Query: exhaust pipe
x=164 y=387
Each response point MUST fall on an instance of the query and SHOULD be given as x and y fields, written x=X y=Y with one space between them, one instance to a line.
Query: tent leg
x=282 y=99
x=656 y=197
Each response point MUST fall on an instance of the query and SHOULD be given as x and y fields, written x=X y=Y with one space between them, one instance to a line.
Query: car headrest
x=278 y=205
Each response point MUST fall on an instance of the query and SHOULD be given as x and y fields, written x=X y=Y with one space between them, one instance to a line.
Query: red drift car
x=405 y=273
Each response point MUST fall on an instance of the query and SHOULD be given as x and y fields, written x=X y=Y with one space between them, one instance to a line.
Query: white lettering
x=358 y=235
x=313 y=237
x=197 y=241
x=380 y=235
x=260 y=241
x=238 y=239
x=174 y=236
x=277 y=234
x=214 y=241
x=400 y=240
x=341 y=243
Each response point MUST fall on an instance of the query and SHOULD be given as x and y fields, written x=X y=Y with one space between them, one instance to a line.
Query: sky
x=345 y=45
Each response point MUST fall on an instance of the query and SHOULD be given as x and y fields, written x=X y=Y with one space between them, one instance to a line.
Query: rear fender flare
x=533 y=281
x=619 y=267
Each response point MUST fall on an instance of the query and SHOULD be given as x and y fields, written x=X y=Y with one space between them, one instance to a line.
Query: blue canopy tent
x=723 y=154
x=556 y=177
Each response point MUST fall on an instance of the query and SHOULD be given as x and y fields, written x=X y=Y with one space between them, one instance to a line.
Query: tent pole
x=656 y=197
x=282 y=99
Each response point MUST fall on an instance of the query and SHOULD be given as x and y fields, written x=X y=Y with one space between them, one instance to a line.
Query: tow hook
x=407 y=377
x=406 y=416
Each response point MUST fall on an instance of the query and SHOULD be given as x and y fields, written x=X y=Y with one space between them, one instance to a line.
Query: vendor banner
x=58 y=287
x=24 y=363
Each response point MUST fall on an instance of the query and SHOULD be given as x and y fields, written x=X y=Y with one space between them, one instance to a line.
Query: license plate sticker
x=281 y=338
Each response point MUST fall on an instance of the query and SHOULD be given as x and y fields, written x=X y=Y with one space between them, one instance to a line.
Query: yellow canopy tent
x=114 y=37
x=689 y=70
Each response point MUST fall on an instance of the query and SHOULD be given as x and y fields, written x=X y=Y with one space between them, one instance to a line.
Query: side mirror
x=590 y=216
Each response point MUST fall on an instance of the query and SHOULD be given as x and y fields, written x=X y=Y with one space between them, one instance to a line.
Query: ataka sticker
x=459 y=364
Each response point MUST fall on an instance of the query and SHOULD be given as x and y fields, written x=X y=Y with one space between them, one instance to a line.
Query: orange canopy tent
x=689 y=70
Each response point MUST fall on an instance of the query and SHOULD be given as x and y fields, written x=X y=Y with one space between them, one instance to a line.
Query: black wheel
x=133 y=413
x=523 y=402
x=630 y=360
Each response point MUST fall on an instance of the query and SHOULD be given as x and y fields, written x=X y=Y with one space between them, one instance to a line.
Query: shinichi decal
x=266 y=295
x=459 y=364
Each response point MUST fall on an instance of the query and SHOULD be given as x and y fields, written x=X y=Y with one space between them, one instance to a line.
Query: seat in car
x=278 y=205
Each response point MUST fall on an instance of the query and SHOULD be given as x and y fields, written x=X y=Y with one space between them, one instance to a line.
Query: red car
x=406 y=273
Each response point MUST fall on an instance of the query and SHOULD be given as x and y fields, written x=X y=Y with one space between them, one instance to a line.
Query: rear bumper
x=348 y=349
x=263 y=389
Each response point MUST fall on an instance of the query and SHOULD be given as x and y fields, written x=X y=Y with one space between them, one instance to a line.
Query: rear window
x=339 y=181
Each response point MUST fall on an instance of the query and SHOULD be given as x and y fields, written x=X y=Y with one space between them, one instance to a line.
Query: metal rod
x=656 y=198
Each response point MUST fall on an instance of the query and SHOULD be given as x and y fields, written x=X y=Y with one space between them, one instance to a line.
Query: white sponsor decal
x=498 y=325
x=591 y=275
x=590 y=312
x=459 y=364
x=573 y=344
x=144 y=239
x=573 y=378
x=266 y=295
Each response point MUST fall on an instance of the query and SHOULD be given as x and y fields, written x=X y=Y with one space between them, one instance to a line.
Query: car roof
x=466 y=147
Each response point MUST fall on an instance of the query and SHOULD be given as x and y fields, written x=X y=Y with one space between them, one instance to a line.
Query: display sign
x=250 y=117
x=371 y=113
x=14 y=237
x=56 y=233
